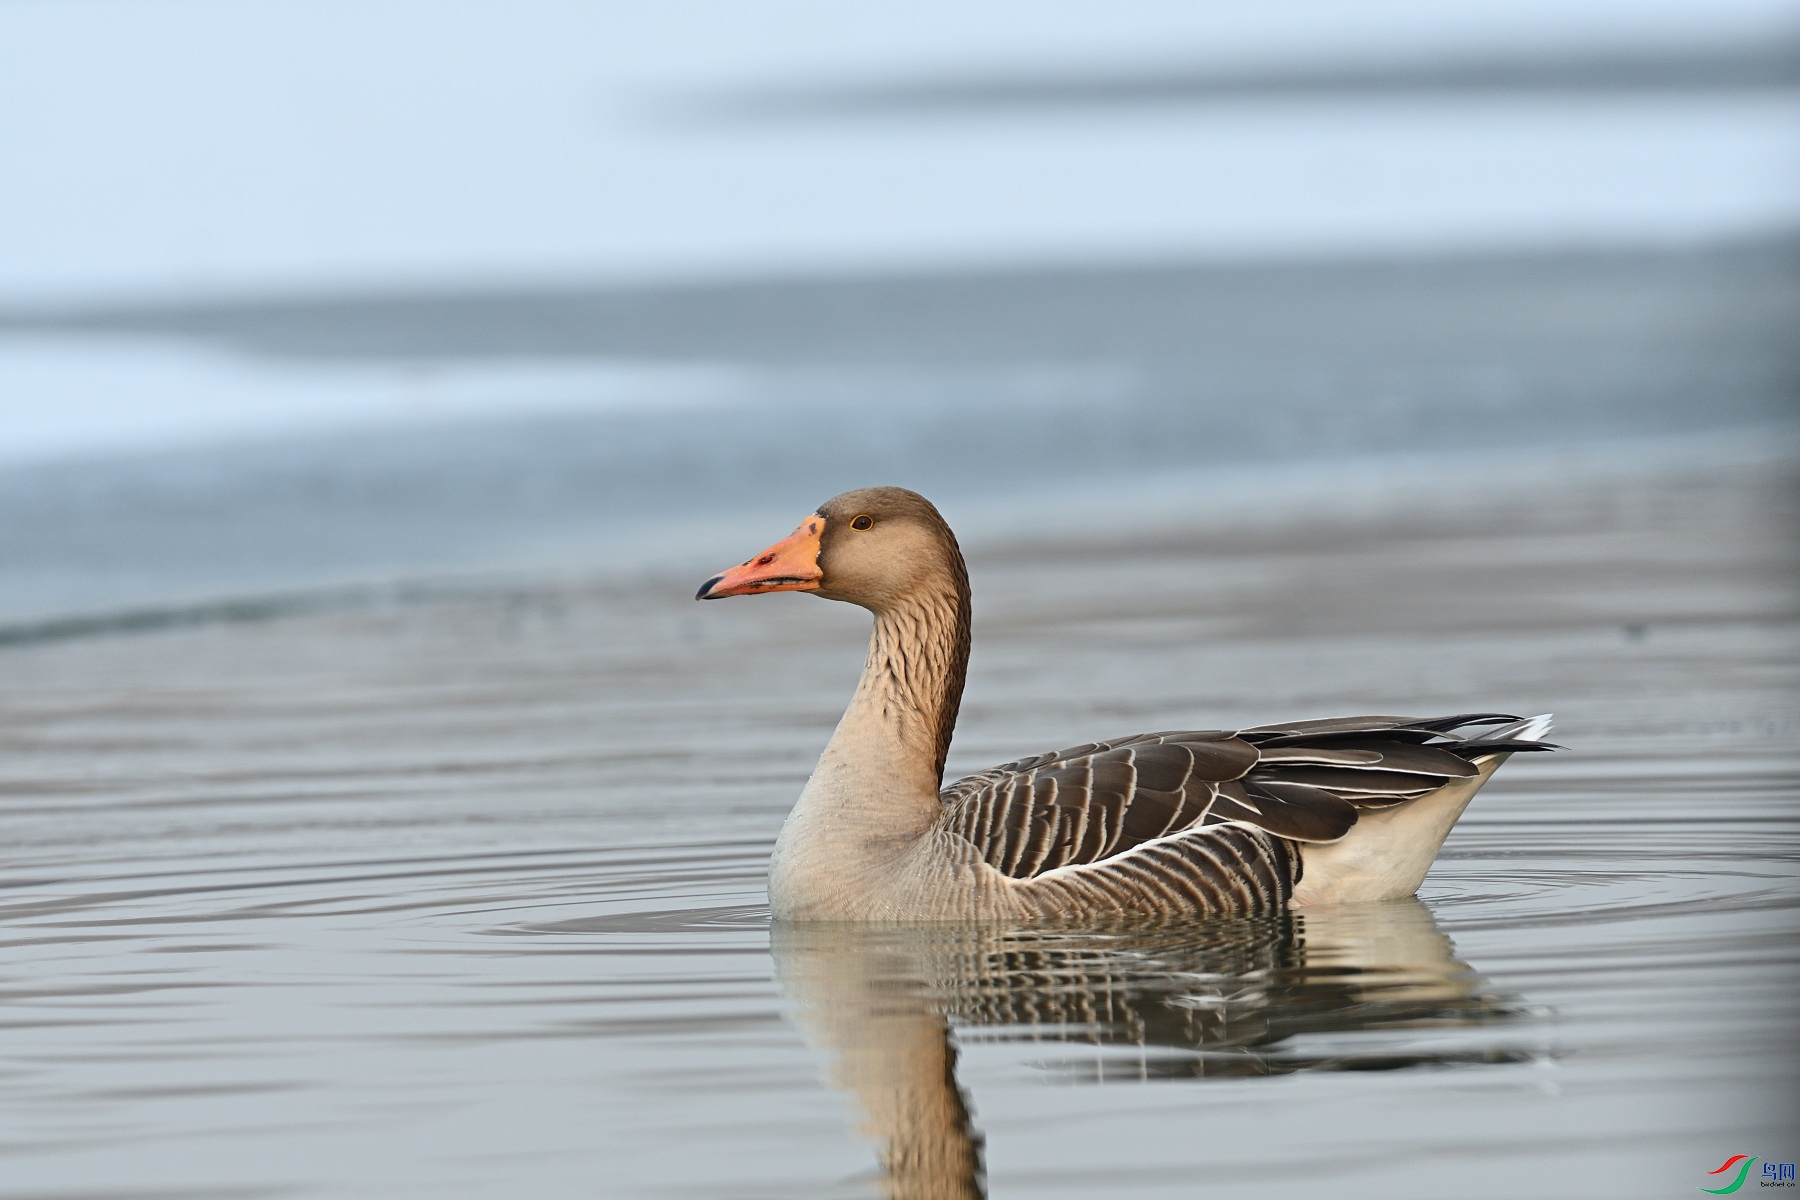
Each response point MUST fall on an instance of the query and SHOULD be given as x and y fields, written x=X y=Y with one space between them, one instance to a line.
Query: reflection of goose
x=1311 y=812
x=1234 y=997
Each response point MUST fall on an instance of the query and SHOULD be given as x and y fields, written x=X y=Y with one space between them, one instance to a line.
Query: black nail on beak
x=707 y=587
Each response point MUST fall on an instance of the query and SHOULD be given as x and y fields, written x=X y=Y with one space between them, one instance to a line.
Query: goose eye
x=863 y=522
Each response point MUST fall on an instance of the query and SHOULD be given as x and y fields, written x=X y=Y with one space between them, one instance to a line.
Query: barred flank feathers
x=1205 y=821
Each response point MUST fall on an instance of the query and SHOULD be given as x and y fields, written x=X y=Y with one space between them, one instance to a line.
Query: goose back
x=1198 y=816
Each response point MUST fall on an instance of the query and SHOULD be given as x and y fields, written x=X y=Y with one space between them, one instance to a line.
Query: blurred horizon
x=294 y=293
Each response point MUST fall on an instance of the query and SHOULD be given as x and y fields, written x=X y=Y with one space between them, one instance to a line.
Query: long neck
x=876 y=786
x=912 y=680
x=888 y=753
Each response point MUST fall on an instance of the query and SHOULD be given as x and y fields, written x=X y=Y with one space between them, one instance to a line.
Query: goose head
x=875 y=547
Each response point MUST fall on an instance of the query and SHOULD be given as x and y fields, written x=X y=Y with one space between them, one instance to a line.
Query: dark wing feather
x=1373 y=762
x=1331 y=725
x=1300 y=811
x=1303 y=781
x=1091 y=802
x=1350 y=781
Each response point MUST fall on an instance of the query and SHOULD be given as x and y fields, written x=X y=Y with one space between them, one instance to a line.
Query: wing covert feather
x=1119 y=803
x=1088 y=803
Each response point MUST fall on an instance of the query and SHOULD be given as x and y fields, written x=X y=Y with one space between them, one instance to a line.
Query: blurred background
x=1271 y=360
x=303 y=296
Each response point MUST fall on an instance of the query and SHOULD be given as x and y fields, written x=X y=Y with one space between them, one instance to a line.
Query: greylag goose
x=1161 y=824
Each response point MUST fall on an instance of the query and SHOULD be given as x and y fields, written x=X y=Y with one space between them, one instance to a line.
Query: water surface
x=460 y=894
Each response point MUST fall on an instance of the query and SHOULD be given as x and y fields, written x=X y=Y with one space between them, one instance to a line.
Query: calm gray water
x=459 y=893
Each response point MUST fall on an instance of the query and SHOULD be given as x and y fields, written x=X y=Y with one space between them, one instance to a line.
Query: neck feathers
x=918 y=659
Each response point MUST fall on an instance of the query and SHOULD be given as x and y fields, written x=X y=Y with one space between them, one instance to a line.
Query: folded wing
x=1304 y=781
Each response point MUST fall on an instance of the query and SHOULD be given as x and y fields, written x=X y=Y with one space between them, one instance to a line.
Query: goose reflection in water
x=1197 y=1000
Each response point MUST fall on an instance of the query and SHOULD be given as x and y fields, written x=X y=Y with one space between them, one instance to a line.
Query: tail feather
x=1385 y=855
x=1524 y=734
x=1531 y=729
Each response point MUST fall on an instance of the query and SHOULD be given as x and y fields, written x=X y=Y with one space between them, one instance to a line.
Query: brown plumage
x=1182 y=822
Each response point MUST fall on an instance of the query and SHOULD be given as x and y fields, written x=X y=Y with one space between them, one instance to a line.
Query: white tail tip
x=1531 y=729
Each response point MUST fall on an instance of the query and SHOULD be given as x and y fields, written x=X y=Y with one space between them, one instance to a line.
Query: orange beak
x=790 y=565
